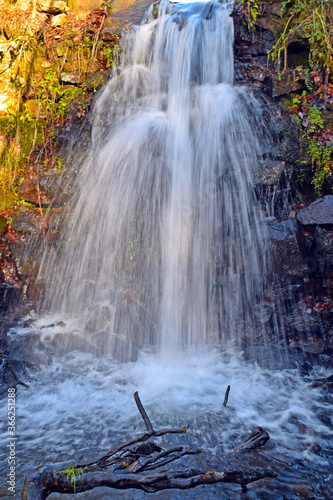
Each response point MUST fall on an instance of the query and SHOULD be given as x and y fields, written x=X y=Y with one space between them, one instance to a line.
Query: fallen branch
x=42 y=482
x=256 y=439
x=124 y=467
x=143 y=413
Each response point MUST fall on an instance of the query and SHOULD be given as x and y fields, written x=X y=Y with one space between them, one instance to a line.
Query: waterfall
x=164 y=248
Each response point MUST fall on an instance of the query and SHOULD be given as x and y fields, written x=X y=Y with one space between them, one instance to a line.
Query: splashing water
x=164 y=248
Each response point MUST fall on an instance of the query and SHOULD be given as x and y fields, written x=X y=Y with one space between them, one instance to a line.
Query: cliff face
x=298 y=112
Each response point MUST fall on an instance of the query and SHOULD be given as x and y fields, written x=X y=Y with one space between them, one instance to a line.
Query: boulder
x=319 y=212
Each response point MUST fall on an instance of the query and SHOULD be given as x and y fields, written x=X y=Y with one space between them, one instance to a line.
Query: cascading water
x=164 y=252
x=164 y=247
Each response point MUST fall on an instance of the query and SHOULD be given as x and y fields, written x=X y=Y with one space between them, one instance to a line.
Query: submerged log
x=129 y=466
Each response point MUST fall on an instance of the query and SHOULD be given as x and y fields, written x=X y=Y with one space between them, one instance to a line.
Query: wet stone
x=99 y=320
x=287 y=259
x=26 y=224
x=319 y=212
x=269 y=172
x=304 y=325
x=287 y=83
x=283 y=230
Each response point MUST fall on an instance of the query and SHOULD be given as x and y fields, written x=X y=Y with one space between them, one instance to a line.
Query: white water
x=80 y=405
x=164 y=249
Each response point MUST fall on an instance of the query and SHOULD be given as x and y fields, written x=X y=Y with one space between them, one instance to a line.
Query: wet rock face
x=288 y=260
x=268 y=172
x=252 y=45
x=41 y=186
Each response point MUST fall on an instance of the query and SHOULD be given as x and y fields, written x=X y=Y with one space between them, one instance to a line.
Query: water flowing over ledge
x=164 y=247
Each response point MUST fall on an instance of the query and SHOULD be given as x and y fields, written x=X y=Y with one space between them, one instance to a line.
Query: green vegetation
x=48 y=70
x=111 y=55
x=317 y=141
x=55 y=99
x=251 y=9
x=73 y=474
x=311 y=20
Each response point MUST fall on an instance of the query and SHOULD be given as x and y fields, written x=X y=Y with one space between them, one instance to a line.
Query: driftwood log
x=130 y=465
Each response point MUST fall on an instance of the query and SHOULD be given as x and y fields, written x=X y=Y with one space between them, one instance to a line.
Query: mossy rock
x=97 y=80
x=3 y=224
x=52 y=6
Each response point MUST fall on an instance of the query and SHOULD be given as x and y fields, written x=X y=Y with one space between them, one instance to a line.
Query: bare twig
x=226 y=396
x=143 y=413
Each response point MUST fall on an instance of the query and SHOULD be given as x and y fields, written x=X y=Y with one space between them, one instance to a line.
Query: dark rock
x=98 y=79
x=284 y=230
x=268 y=172
x=111 y=35
x=323 y=252
x=62 y=135
x=262 y=312
x=288 y=82
x=304 y=326
x=40 y=187
x=27 y=347
x=274 y=357
x=280 y=357
x=287 y=260
x=63 y=343
x=319 y=212
x=99 y=320
x=26 y=223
